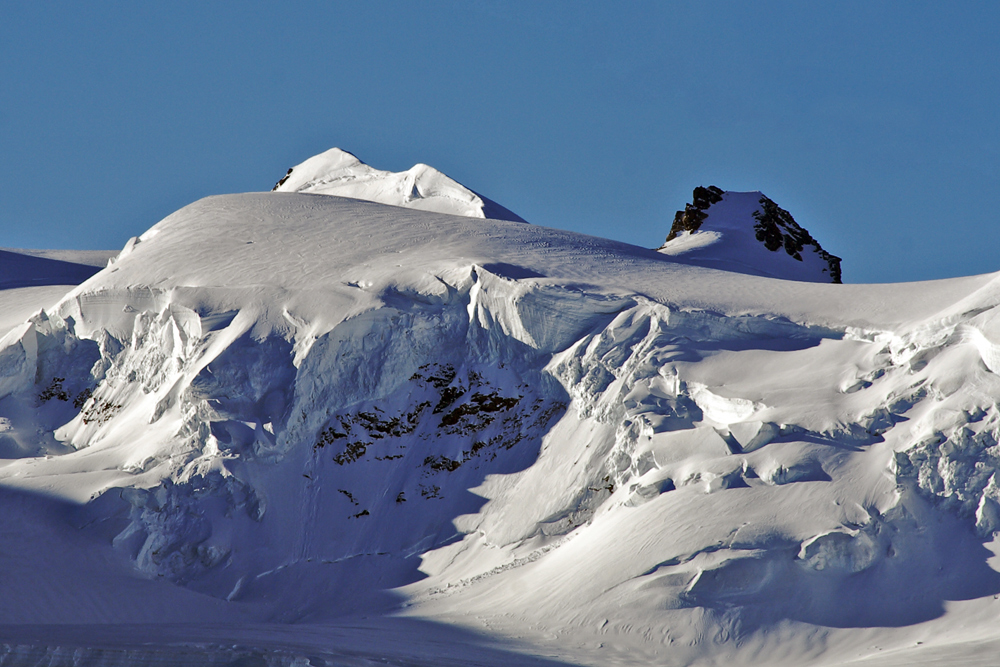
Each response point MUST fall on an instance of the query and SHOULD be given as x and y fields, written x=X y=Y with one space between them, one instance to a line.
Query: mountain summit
x=337 y=172
x=746 y=232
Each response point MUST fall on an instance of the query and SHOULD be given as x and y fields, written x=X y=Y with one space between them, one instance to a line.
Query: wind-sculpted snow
x=337 y=172
x=301 y=410
x=375 y=392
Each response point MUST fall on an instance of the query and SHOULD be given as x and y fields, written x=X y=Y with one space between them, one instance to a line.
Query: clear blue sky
x=874 y=123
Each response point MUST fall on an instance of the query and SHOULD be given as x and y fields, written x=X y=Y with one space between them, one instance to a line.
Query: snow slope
x=421 y=187
x=34 y=279
x=35 y=268
x=96 y=258
x=748 y=233
x=304 y=414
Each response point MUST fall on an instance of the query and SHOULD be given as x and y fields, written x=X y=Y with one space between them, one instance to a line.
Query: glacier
x=277 y=423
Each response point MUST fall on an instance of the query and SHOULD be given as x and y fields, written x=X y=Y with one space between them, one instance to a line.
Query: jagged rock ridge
x=776 y=228
x=690 y=219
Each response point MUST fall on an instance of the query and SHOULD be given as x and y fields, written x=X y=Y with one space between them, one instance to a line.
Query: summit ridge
x=422 y=187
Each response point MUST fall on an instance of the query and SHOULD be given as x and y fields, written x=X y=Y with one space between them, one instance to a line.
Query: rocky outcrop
x=729 y=230
x=690 y=219
x=776 y=229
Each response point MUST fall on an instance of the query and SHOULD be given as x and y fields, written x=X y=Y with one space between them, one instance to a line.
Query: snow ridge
x=337 y=172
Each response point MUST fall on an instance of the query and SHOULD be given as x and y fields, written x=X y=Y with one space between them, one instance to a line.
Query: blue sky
x=875 y=124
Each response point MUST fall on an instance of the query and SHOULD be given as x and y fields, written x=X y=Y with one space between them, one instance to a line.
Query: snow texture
x=421 y=187
x=279 y=428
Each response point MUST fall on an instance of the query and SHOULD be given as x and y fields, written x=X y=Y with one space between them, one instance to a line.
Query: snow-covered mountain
x=337 y=172
x=290 y=427
x=748 y=233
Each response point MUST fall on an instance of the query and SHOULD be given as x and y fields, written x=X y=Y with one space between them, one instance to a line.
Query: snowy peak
x=747 y=232
x=337 y=172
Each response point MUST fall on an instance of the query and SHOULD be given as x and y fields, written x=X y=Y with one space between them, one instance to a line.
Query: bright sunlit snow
x=421 y=187
x=316 y=428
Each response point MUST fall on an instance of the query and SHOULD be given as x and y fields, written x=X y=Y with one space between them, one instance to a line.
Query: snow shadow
x=17 y=270
x=394 y=642
x=511 y=271
x=58 y=566
x=69 y=598
x=900 y=570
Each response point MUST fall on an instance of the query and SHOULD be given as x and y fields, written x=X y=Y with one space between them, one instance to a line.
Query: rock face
x=744 y=232
x=690 y=219
x=337 y=172
x=776 y=228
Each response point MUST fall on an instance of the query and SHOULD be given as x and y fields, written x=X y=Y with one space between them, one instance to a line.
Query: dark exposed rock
x=373 y=435
x=100 y=412
x=432 y=491
x=350 y=496
x=690 y=219
x=82 y=398
x=448 y=396
x=352 y=452
x=480 y=403
x=441 y=463
x=54 y=390
x=776 y=228
x=282 y=181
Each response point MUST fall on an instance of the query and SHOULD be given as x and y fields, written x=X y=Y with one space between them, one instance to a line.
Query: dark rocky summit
x=690 y=219
x=283 y=179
